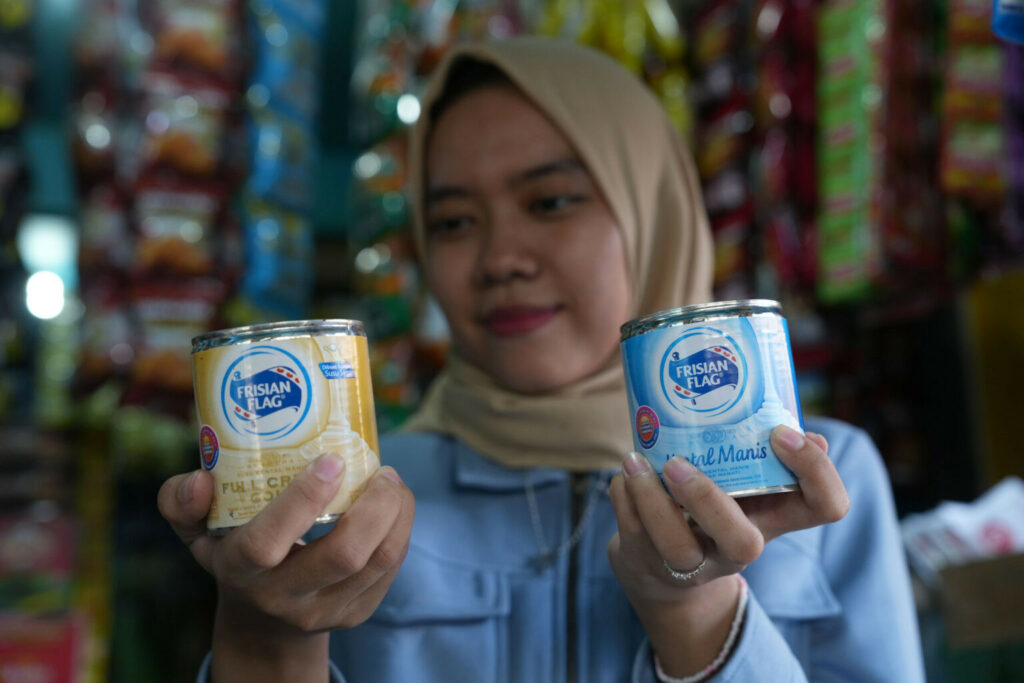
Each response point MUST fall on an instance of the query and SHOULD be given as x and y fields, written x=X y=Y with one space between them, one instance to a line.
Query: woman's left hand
x=724 y=533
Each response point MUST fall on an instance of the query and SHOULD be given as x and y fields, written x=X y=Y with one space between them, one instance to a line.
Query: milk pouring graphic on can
x=272 y=398
x=709 y=383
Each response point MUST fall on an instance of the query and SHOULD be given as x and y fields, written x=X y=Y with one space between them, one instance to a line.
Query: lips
x=515 y=321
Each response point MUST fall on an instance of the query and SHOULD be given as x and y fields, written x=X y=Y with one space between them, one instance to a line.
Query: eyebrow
x=439 y=194
x=563 y=165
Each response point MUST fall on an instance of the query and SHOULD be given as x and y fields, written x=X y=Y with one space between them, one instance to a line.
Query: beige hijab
x=648 y=179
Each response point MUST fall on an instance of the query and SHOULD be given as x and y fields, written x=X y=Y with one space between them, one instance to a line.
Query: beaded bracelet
x=730 y=641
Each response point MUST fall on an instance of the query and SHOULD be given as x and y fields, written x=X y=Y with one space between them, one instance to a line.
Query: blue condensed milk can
x=709 y=383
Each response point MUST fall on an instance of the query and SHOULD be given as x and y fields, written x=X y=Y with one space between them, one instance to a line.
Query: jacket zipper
x=577 y=490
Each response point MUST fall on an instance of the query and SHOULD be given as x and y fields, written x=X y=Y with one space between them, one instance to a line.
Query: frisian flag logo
x=702 y=372
x=265 y=393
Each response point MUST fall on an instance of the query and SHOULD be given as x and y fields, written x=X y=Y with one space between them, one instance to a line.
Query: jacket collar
x=472 y=470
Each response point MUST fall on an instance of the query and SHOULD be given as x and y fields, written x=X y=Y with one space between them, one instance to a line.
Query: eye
x=555 y=204
x=448 y=226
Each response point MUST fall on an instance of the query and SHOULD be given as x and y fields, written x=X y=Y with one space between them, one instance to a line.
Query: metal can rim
x=685 y=314
x=246 y=333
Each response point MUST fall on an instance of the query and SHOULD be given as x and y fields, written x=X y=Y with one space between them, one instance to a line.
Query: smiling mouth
x=516 y=321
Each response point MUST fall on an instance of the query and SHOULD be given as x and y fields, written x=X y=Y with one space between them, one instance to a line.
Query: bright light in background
x=367 y=260
x=44 y=295
x=158 y=122
x=368 y=165
x=141 y=42
x=191 y=231
x=48 y=248
x=258 y=95
x=97 y=135
x=49 y=242
x=408 y=108
x=277 y=34
x=186 y=106
x=768 y=20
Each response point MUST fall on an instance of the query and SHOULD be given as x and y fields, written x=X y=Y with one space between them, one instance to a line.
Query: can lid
x=288 y=328
x=698 y=312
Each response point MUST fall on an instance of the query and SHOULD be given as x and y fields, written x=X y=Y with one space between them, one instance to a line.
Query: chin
x=527 y=386
x=535 y=381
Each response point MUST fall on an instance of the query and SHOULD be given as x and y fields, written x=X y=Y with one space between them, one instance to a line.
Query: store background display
x=853 y=165
x=174 y=166
x=49 y=572
x=1008 y=20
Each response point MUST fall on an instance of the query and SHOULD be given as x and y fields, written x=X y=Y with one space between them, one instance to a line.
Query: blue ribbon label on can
x=337 y=370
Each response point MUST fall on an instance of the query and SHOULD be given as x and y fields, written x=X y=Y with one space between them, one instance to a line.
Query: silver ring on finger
x=685 y=576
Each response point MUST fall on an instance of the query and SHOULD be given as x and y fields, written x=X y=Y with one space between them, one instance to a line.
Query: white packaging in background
x=994 y=523
x=958 y=533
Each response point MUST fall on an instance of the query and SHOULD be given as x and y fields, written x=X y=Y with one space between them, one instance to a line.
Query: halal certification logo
x=209 y=447
x=647 y=426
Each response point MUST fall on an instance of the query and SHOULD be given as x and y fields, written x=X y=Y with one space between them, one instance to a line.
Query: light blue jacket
x=471 y=603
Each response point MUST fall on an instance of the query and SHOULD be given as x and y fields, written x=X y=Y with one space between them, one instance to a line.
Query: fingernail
x=328 y=467
x=789 y=438
x=185 y=488
x=391 y=474
x=679 y=470
x=635 y=464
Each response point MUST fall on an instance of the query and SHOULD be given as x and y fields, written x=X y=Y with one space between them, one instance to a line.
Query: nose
x=507 y=251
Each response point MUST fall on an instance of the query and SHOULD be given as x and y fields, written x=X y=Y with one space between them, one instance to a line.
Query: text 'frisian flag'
x=704 y=371
x=266 y=392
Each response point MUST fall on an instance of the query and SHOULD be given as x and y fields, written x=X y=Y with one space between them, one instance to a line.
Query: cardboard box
x=983 y=602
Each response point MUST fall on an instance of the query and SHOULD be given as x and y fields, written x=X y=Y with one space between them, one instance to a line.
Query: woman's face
x=523 y=253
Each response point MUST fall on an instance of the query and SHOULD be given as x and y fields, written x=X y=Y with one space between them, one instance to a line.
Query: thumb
x=184 y=501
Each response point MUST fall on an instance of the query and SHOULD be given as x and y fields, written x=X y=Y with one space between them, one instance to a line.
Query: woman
x=554 y=202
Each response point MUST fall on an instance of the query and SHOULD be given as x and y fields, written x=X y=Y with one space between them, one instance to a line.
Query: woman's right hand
x=278 y=598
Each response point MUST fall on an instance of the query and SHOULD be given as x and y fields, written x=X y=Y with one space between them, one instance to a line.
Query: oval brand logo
x=265 y=392
x=704 y=372
x=209 y=447
x=647 y=426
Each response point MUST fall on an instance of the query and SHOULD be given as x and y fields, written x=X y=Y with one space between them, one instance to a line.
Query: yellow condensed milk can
x=272 y=398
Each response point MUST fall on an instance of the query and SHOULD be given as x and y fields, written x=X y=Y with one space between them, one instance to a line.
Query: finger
x=736 y=538
x=824 y=496
x=316 y=603
x=347 y=601
x=625 y=512
x=818 y=439
x=346 y=608
x=371 y=537
x=265 y=541
x=663 y=520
